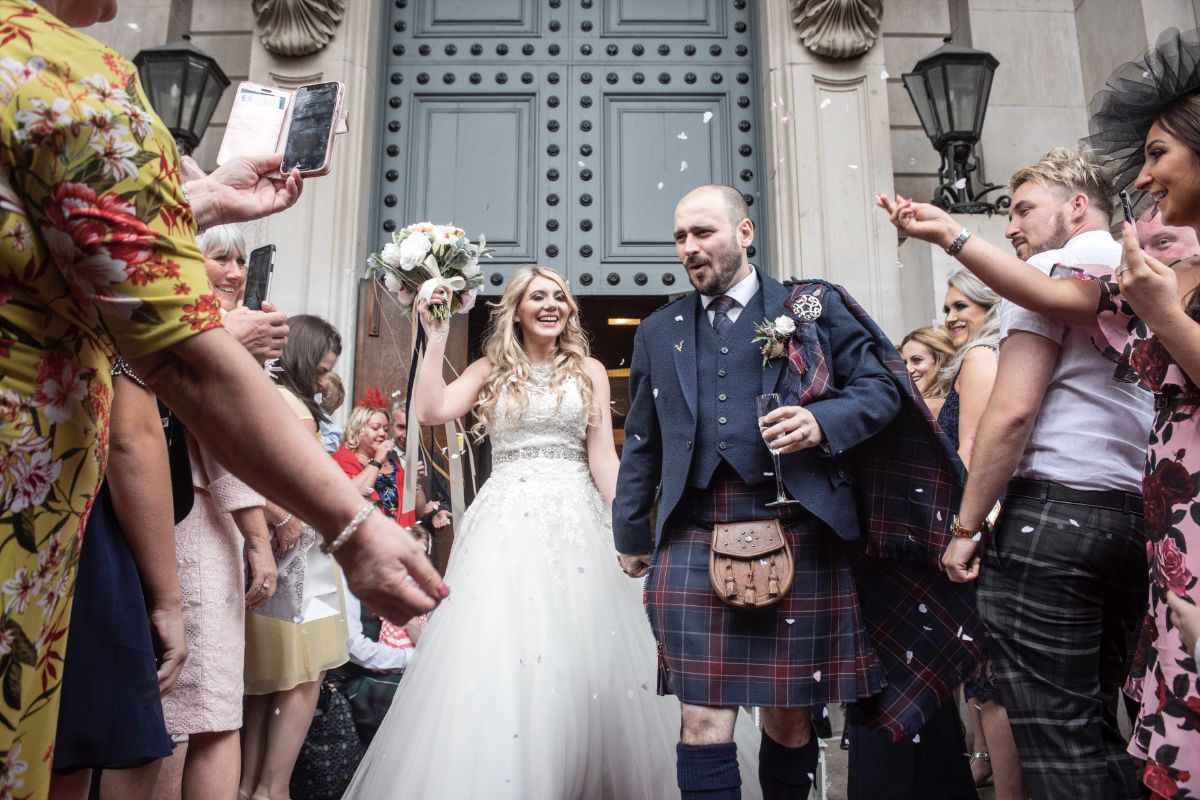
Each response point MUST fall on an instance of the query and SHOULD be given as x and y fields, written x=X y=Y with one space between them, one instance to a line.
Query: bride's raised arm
x=602 y=455
x=433 y=402
x=1009 y=276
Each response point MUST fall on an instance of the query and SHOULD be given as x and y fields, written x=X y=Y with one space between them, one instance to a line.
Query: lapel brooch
x=807 y=307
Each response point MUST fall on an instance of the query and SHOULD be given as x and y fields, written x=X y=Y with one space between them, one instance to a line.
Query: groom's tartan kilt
x=809 y=649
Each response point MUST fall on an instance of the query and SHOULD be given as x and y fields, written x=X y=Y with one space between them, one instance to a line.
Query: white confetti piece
x=919 y=490
x=926 y=627
x=961 y=183
x=1073 y=522
x=780 y=101
x=825 y=712
x=810 y=775
x=630 y=693
x=681 y=135
x=580 y=163
x=679 y=318
x=682 y=166
x=900 y=265
x=637 y=436
x=939 y=514
x=826 y=103
x=883 y=75
x=978 y=537
x=959 y=634
x=660 y=185
x=789 y=621
x=967 y=638
x=655 y=392
x=917 y=739
x=786 y=118
x=924 y=609
x=1027 y=529
x=622 y=363
x=595 y=697
x=707 y=117
x=277 y=712
x=817 y=676
x=908 y=656
x=852 y=166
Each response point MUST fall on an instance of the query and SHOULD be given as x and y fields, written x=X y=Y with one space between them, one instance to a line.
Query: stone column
x=322 y=242
x=828 y=146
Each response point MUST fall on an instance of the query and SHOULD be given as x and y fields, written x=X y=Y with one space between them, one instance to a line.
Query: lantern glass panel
x=985 y=91
x=163 y=83
x=936 y=77
x=918 y=91
x=963 y=93
x=213 y=89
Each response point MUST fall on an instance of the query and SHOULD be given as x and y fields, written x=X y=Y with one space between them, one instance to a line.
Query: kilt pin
x=874 y=504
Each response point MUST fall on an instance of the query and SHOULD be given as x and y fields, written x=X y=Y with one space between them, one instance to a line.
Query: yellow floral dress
x=97 y=257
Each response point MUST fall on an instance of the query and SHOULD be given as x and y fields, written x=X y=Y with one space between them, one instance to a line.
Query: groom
x=692 y=443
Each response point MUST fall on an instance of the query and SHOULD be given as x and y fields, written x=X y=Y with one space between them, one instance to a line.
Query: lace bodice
x=554 y=428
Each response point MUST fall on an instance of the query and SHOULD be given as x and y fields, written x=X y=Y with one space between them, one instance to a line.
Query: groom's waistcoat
x=727 y=388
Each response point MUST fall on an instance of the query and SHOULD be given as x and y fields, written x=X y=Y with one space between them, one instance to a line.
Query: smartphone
x=258 y=276
x=311 y=126
x=1127 y=205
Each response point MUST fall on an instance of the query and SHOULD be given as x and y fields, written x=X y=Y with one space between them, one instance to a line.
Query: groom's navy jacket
x=664 y=420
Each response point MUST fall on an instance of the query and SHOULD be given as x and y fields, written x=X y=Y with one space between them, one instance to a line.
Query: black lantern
x=184 y=85
x=950 y=88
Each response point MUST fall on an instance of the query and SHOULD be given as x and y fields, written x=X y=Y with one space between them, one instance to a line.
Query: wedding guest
x=225 y=530
x=436 y=514
x=926 y=352
x=333 y=394
x=1165 y=242
x=301 y=632
x=1144 y=131
x=368 y=457
x=87 y=273
x=972 y=313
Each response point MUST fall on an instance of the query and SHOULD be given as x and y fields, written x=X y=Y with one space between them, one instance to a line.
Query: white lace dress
x=536 y=678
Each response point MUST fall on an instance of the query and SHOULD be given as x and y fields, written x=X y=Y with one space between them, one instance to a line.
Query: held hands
x=961 y=559
x=263 y=333
x=791 y=429
x=389 y=572
x=923 y=221
x=1149 y=285
x=634 y=566
x=242 y=189
x=1186 y=618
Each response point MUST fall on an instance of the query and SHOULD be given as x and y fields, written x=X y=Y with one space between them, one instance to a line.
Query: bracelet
x=348 y=531
x=283 y=521
x=188 y=200
x=374 y=463
x=958 y=242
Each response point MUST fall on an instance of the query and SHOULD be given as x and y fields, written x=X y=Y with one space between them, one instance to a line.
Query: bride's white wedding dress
x=536 y=678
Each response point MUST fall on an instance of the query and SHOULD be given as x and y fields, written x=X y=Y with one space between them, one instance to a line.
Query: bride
x=536 y=678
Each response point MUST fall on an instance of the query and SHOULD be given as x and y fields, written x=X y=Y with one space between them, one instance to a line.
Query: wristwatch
x=958 y=531
x=375 y=464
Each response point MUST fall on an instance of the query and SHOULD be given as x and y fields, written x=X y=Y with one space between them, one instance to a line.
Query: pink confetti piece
x=817 y=676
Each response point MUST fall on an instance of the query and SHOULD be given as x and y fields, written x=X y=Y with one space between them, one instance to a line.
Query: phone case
x=259 y=122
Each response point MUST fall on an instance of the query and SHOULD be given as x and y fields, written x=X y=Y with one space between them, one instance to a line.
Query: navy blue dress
x=111 y=715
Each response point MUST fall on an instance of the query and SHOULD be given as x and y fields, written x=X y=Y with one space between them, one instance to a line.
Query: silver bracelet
x=348 y=531
x=283 y=521
x=958 y=242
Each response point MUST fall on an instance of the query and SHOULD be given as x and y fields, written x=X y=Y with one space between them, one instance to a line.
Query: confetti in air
x=580 y=163
x=786 y=118
x=708 y=115
x=900 y=265
x=660 y=185
x=682 y=135
x=853 y=166
x=961 y=183
x=883 y=75
x=826 y=103
x=1027 y=529
x=917 y=739
x=924 y=609
x=682 y=166
x=817 y=676
x=908 y=656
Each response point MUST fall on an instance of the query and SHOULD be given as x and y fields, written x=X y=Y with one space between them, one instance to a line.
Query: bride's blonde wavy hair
x=510 y=363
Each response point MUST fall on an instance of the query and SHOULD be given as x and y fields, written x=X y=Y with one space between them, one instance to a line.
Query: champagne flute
x=766 y=404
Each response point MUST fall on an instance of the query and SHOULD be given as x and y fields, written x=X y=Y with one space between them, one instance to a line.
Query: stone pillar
x=828 y=146
x=322 y=242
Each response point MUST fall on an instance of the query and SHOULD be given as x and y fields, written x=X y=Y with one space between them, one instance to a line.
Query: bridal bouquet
x=423 y=258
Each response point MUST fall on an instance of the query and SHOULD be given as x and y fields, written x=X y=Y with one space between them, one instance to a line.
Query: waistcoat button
x=720 y=373
x=724 y=351
x=721 y=420
x=722 y=398
x=721 y=446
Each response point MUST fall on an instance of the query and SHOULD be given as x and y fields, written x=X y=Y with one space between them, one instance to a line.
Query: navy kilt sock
x=786 y=773
x=708 y=771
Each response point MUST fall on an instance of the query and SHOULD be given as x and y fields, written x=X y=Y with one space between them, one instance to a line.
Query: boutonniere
x=774 y=336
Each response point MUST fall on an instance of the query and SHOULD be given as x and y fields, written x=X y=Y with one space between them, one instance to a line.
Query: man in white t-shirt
x=1062 y=588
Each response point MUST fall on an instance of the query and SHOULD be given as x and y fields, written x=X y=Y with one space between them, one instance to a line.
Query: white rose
x=471 y=268
x=468 y=302
x=390 y=255
x=785 y=325
x=413 y=251
x=392 y=283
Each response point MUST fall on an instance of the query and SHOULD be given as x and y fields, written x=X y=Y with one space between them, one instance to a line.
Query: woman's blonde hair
x=988 y=334
x=510 y=363
x=357 y=423
x=941 y=347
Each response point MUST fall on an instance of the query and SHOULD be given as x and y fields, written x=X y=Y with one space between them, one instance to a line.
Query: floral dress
x=1167 y=731
x=97 y=257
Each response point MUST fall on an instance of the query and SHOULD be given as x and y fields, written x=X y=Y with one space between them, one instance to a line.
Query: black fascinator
x=1134 y=96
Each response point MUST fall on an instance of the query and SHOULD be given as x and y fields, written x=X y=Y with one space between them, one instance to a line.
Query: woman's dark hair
x=1181 y=119
x=309 y=339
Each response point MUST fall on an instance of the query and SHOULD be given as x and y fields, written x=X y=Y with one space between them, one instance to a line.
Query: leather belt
x=1112 y=499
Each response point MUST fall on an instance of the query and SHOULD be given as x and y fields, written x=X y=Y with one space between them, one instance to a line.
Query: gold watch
x=958 y=531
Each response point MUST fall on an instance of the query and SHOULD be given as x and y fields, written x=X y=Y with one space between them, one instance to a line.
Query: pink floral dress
x=1167 y=731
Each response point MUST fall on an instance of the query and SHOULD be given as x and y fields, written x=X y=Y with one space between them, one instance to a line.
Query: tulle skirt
x=537 y=677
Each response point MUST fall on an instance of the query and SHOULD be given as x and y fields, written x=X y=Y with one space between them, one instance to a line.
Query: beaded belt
x=562 y=453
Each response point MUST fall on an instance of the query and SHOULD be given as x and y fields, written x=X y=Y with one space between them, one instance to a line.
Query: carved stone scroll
x=297 y=27
x=838 y=29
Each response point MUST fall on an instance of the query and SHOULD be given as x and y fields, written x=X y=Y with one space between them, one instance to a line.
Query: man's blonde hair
x=1073 y=170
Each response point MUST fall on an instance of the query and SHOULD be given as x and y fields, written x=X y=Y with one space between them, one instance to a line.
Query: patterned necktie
x=720 y=307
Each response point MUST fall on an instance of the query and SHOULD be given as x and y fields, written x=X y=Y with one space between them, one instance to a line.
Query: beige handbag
x=750 y=565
